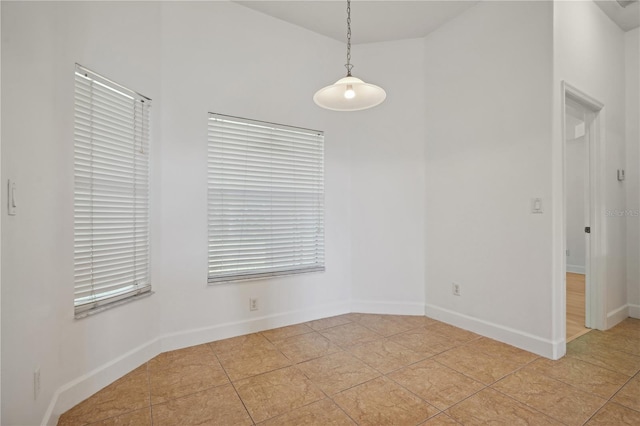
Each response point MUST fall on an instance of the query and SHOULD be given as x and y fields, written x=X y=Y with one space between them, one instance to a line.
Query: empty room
x=329 y=212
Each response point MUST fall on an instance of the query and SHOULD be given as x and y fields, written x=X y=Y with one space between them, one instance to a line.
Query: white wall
x=40 y=43
x=190 y=58
x=267 y=71
x=632 y=183
x=576 y=152
x=589 y=55
x=488 y=76
x=387 y=181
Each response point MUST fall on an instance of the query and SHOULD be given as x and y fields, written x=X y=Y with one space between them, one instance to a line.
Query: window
x=265 y=199
x=111 y=201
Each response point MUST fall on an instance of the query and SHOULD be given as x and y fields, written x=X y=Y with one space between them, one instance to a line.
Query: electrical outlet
x=455 y=289
x=253 y=304
x=36 y=383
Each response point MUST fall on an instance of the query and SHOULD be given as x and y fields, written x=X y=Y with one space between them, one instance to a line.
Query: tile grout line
x=440 y=411
x=386 y=375
x=190 y=393
x=622 y=387
x=380 y=337
x=525 y=404
x=490 y=386
x=129 y=411
x=550 y=378
x=232 y=384
x=588 y=392
x=149 y=391
x=589 y=345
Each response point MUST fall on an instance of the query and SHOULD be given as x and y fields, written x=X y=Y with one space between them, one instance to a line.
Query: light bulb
x=349 y=93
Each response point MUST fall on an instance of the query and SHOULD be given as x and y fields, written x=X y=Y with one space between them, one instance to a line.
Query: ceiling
x=371 y=21
x=627 y=18
x=386 y=20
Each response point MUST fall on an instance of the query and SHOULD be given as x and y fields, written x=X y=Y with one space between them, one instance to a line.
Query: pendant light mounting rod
x=348 y=64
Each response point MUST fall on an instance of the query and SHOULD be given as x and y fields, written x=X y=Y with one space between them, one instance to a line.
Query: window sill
x=264 y=276
x=112 y=305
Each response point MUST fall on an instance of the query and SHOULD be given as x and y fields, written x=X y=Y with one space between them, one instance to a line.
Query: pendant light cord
x=348 y=64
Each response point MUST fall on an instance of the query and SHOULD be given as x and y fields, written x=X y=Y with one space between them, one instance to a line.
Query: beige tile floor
x=376 y=370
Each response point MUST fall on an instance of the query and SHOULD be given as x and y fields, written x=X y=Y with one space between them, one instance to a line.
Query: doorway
x=583 y=151
x=577 y=216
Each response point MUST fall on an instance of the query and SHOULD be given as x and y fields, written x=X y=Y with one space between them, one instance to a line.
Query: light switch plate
x=11 y=198
x=620 y=175
x=536 y=205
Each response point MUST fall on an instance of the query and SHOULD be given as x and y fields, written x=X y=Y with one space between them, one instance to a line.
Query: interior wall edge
x=79 y=389
x=634 y=311
x=535 y=344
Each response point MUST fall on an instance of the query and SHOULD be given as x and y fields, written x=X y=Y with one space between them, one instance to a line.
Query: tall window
x=265 y=199
x=111 y=198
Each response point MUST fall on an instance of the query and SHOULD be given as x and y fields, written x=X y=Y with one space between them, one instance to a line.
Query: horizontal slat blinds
x=265 y=199
x=111 y=202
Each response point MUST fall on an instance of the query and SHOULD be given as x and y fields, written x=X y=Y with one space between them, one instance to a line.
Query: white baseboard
x=86 y=385
x=576 y=269
x=78 y=390
x=616 y=316
x=389 y=308
x=198 y=336
x=510 y=336
x=634 y=311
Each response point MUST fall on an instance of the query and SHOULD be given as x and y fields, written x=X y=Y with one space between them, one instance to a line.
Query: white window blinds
x=111 y=201
x=265 y=199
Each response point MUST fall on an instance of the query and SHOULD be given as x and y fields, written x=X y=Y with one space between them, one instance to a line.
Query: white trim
x=77 y=390
x=576 y=269
x=70 y=394
x=634 y=311
x=389 y=308
x=617 y=316
x=581 y=97
x=183 y=339
x=528 y=342
x=596 y=268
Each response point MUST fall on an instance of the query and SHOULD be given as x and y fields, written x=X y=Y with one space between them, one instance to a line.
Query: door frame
x=595 y=306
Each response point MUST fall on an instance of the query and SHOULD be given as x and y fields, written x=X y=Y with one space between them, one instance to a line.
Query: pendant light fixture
x=349 y=93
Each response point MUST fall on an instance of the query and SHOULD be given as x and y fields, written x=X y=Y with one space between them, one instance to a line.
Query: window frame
x=110 y=206
x=214 y=278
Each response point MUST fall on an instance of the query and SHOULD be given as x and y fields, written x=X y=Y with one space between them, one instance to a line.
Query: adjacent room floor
x=376 y=370
x=575 y=306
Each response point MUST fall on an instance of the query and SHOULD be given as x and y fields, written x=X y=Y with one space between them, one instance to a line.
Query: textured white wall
x=387 y=182
x=488 y=77
x=189 y=58
x=268 y=71
x=589 y=55
x=40 y=44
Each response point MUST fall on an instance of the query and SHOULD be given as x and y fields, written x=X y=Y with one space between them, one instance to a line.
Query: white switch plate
x=11 y=198
x=536 y=205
